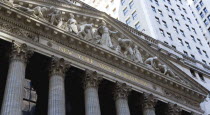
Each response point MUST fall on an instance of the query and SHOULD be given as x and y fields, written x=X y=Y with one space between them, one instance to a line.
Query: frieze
x=18 y=31
x=181 y=99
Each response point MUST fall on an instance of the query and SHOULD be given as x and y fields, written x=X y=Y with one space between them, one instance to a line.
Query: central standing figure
x=105 y=35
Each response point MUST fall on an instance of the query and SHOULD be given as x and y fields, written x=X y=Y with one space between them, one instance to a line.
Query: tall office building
x=201 y=11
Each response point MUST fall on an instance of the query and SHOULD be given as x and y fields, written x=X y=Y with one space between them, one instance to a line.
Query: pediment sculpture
x=101 y=35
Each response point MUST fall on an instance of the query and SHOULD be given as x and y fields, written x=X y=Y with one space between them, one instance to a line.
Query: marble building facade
x=82 y=61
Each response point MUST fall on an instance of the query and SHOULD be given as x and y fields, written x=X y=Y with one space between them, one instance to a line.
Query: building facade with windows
x=201 y=11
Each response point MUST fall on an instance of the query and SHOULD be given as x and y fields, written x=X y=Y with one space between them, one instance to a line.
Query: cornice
x=74 y=42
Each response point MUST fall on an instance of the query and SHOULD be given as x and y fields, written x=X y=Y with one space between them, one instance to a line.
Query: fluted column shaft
x=121 y=102
x=149 y=104
x=91 y=82
x=56 y=99
x=13 y=95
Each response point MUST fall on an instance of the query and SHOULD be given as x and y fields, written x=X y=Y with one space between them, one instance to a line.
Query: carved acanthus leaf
x=92 y=79
x=121 y=91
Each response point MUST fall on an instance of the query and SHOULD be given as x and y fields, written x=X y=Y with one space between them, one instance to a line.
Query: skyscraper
x=201 y=11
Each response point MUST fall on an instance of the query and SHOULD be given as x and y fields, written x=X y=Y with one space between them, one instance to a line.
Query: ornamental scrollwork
x=121 y=91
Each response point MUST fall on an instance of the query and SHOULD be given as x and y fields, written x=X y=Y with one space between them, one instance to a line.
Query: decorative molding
x=121 y=91
x=20 y=52
x=92 y=79
x=58 y=66
x=149 y=101
x=174 y=109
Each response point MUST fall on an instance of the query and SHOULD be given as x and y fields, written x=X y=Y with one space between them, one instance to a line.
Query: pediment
x=98 y=29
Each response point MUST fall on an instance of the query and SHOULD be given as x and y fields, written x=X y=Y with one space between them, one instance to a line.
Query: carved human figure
x=9 y=2
x=72 y=24
x=153 y=62
x=105 y=35
x=137 y=55
x=55 y=16
x=165 y=70
x=85 y=31
x=126 y=47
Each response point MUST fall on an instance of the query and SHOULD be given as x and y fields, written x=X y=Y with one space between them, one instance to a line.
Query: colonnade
x=56 y=97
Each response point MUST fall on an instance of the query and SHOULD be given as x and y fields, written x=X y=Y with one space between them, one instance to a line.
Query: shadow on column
x=161 y=108
x=135 y=100
x=74 y=92
x=106 y=98
x=37 y=71
x=4 y=66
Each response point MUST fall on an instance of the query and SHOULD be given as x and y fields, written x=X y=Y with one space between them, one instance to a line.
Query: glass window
x=178 y=7
x=189 y=20
x=169 y=36
x=188 y=45
x=201 y=75
x=193 y=56
x=131 y=4
x=137 y=25
x=169 y=2
x=160 y=12
x=185 y=53
x=206 y=22
x=165 y=24
x=199 y=51
x=162 y=32
x=192 y=72
x=177 y=21
x=194 y=30
x=166 y=7
x=156 y=1
x=170 y=17
x=180 y=41
x=173 y=11
x=202 y=14
x=205 y=54
x=125 y=11
x=209 y=29
x=157 y=20
x=185 y=11
x=173 y=46
x=198 y=7
x=122 y=2
x=205 y=10
x=180 y=1
x=128 y=21
x=208 y=17
x=188 y=27
x=183 y=16
x=193 y=38
x=175 y=29
x=182 y=32
x=201 y=3
x=134 y=15
x=153 y=9
x=199 y=41
x=204 y=61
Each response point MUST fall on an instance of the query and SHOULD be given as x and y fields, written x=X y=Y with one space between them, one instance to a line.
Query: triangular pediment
x=82 y=23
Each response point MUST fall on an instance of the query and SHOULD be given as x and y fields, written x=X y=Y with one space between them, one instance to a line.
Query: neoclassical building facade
x=66 y=58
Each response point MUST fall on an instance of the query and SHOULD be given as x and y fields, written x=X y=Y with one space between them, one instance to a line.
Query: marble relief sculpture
x=126 y=47
x=85 y=32
x=137 y=55
x=165 y=70
x=72 y=24
x=104 y=32
x=152 y=62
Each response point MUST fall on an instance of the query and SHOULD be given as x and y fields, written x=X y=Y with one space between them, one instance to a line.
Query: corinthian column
x=91 y=82
x=120 y=95
x=173 y=109
x=56 y=99
x=149 y=104
x=13 y=95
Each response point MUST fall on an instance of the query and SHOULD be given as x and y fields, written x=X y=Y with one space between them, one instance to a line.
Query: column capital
x=174 y=109
x=121 y=90
x=58 y=66
x=149 y=101
x=92 y=79
x=20 y=52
